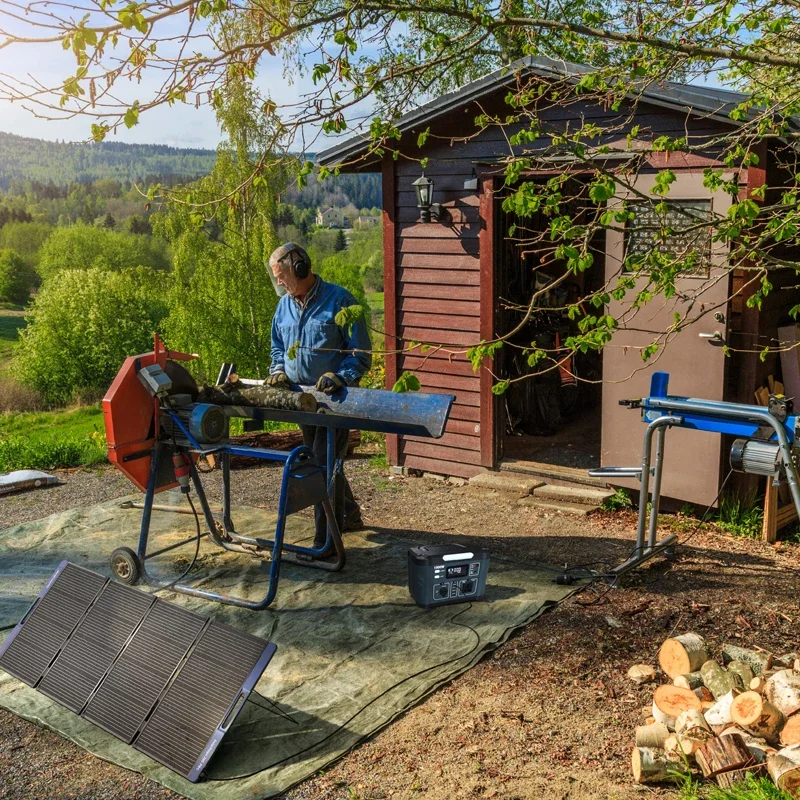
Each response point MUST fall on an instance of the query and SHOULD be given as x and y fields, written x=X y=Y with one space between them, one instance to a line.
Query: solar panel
x=165 y=680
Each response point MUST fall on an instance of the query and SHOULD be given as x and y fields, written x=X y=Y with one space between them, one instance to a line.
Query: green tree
x=108 y=222
x=222 y=300
x=15 y=278
x=83 y=324
x=85 y=247
x=341 y=242
x=138 y=225
x=26 y=238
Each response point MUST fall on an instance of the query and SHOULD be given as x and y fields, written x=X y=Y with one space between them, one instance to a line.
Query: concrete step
x=582 y=495
x=573 y=509
x=505 y=484
x=553 y=474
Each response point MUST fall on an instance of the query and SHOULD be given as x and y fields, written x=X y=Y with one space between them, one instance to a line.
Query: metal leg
x=227 y=522
x=641 y=552
x=655 y=499
x=144 y=531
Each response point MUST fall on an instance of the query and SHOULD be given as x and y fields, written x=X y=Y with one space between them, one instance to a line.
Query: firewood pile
x=726 y=718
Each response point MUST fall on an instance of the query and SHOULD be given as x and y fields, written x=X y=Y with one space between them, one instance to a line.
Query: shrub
x=88 y=247
x=16 y=397
x=15 y=278
x=83 y=324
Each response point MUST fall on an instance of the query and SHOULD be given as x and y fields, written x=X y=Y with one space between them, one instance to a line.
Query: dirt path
x=551 y=713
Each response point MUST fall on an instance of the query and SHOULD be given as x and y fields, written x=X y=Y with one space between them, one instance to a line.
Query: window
x=688 y=238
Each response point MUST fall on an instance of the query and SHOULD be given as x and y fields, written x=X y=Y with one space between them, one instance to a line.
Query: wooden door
x=696 y=364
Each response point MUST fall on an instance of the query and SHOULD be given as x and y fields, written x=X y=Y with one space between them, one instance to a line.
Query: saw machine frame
x=143 y=431
x=771 y=435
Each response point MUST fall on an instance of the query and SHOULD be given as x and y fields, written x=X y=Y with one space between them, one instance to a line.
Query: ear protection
x=299 y=260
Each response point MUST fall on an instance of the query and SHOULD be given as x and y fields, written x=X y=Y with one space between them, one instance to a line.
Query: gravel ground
x=549 y=713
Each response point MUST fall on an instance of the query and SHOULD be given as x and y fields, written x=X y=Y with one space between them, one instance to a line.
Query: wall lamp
x=427 y=209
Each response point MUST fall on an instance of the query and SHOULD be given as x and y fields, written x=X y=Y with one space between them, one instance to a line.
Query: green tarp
x=354 y=651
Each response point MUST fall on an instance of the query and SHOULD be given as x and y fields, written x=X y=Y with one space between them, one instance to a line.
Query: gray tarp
x=354 y=651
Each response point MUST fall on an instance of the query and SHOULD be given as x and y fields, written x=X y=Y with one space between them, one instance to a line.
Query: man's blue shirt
x=323 y=345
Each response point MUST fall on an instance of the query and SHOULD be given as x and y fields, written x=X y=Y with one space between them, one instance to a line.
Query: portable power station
x=442 y=574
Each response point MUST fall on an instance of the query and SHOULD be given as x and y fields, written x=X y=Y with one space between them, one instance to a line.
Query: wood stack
x=277 y=440
x=724 y=718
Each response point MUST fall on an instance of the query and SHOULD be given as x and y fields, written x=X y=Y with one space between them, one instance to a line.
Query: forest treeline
x=50 y=170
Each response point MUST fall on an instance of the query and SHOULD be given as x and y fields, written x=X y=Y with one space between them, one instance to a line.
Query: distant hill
x=62 y=163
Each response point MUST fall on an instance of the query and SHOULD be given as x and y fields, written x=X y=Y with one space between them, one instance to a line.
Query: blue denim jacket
x=324 y=346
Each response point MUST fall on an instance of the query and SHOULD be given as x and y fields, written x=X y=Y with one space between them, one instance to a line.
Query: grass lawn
x=10 y=324
x=53 y=425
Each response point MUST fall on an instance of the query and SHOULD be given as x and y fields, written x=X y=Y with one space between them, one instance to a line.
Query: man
x=325 y=355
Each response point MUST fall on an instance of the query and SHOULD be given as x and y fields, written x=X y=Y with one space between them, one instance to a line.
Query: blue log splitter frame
x=304 y=482
x=661 y=411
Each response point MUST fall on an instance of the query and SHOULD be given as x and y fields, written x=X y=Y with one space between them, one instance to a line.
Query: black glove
x=329 y=383
x=278 y=380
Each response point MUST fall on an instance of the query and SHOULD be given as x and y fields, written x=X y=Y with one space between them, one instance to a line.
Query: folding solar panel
x=165 y=680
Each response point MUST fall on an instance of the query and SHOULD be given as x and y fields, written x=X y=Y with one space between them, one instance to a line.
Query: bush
x=88 y=247
x=83 y=324
x=16 y=397
x=15 y=278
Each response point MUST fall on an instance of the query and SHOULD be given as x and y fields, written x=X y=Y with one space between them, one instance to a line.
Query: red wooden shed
x=452 y=284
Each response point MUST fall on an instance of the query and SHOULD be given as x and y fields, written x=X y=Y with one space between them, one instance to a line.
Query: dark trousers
x=347 y=509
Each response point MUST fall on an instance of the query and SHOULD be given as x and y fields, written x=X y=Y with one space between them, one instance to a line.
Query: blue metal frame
x=299 y=465
x=661 y=411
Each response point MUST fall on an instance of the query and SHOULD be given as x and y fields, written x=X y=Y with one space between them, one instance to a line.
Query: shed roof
x=713 y=102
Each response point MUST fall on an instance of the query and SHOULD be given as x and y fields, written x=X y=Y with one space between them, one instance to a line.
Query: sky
x=181 y=125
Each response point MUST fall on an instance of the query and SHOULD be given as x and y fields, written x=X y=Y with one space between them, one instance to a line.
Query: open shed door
x=696 y=364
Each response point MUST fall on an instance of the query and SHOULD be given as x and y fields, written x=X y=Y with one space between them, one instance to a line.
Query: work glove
x=278 y=380
x=329 y=383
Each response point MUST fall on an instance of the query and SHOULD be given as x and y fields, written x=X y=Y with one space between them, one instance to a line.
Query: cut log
x=790 y=732
x=723 y=754
x=237 y=394
x=757 y=746
x=743 y=670
x=669 y=701
x=784 y=769
x=719 y=715
x=783 y=691
x=653 y=766
x=682 y=746
x=727 y=780
x=691 y=680
x=757 y=715
x=757 y=661
x=758 y=684
x=651 y=736
x=642 y=673
x=718 y=680
x=682 y=654
x=692 y=723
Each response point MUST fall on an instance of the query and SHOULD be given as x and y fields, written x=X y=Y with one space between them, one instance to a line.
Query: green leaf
x=291 y=353
x=500 y=387
x=348 y=316
x=407 y=382
x=132 y=116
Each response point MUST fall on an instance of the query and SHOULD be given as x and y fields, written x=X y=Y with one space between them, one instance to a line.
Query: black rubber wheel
x=125 y=565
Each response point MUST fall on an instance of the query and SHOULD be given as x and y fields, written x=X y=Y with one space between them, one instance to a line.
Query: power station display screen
x=458 y=572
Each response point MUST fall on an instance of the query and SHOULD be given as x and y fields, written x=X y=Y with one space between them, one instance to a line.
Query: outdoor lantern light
x=424 y=188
